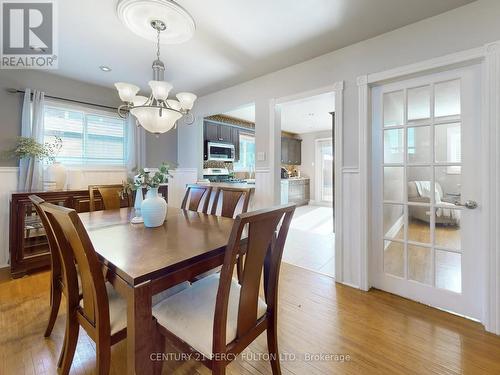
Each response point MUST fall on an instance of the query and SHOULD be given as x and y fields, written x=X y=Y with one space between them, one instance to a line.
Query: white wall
x=463 y=28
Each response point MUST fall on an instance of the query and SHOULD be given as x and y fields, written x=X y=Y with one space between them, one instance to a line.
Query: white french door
x=426 y=171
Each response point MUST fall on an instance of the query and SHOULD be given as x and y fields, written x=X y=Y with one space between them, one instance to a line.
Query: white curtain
x=136 y=146
x=31 y=170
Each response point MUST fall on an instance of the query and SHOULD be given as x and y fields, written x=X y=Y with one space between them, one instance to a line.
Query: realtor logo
x=28 y=34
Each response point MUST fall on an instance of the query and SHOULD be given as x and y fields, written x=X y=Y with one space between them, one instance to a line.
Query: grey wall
x=159 y=149
x=308 y=168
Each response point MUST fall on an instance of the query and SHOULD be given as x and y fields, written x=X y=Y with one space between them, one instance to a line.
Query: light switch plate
x=261 y=156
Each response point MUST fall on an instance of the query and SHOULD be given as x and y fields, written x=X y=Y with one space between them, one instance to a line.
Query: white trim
x=364 y=162
x=9 y=169
x=338 y=150
x=491 y=123
x=353 y=170
x=489 y=56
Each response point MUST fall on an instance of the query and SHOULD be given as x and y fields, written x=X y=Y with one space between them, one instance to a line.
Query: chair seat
x=118 y=305
x=189 y=314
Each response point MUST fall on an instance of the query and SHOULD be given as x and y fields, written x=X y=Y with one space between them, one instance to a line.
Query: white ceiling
x=299 y=116
x=235 y=40
x=308 y=115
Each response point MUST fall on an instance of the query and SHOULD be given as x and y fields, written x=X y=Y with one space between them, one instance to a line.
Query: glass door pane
x=422 y=161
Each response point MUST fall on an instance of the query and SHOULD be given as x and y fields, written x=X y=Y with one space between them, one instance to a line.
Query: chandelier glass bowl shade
x=156 y=113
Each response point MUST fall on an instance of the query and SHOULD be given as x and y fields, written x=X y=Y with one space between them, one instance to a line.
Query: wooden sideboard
x=28 y=245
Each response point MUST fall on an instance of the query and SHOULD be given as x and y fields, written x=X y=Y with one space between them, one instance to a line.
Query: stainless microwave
x=220 y=151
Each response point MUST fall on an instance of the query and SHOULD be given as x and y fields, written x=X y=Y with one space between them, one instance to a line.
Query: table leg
x=139 y=330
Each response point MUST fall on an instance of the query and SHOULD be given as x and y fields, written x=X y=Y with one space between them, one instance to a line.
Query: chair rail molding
x=489 y=58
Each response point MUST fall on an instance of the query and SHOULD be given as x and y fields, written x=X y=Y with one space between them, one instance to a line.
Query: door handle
x=471 y=205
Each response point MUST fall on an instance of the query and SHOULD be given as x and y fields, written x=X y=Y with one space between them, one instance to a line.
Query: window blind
x=88 y=138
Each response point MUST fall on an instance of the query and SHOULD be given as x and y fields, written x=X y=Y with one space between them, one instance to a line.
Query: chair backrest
x=55 y=257
x=111 y=196
x=263 y=254
x=76 y=248
x=229 y=198
x=197 y=195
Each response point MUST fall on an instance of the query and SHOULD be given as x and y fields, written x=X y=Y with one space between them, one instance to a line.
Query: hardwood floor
x=381 y=333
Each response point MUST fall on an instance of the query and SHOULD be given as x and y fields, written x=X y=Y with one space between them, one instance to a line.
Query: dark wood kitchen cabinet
x=28 y=245
x=210 y=132
x=213 y=132
x=235 y=140
x=291 y=150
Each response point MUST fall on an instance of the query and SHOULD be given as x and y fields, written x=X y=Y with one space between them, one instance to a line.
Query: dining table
x=140 y=262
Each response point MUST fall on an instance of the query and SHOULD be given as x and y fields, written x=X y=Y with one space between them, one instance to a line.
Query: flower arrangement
x=28 y=147
x=147 y=179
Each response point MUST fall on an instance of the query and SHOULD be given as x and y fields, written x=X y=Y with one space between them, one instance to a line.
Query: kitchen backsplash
x=293 y=170
x=218 y=164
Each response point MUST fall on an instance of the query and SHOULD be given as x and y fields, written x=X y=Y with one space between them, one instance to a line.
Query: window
x=89 y=137
x=247 y=154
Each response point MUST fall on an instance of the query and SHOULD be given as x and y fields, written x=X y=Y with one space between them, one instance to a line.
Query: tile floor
x=310 y=242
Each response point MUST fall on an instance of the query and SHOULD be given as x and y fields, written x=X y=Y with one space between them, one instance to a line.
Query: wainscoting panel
x=263 y=195
x=177 y=184
x=8 y=176
x=350 y=225
x=82 y=178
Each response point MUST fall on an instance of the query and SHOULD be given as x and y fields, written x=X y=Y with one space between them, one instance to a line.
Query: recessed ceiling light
x=105 y=68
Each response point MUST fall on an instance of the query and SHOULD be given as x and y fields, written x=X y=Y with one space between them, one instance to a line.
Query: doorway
x=426 y=164
x=307 y=176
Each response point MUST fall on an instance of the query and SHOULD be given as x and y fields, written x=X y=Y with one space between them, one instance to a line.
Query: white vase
x=56 y=172
x=153 y=209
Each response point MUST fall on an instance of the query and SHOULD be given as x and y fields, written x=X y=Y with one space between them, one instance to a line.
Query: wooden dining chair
x=197 y=198
x=56 y=278
x=101 y=311
x=217 y=317
x=228 y=199
x=111 y=196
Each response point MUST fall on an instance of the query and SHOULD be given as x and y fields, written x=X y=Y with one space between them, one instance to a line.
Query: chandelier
x=156 y=113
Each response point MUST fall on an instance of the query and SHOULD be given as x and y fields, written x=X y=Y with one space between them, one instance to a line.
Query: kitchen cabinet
x=235 y=140
x=291 y=149
x=295 y=190
x=210 y=132
x=217 y=132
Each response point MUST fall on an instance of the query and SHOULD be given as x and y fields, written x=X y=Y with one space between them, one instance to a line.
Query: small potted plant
x=154 y=207
x=28 y=148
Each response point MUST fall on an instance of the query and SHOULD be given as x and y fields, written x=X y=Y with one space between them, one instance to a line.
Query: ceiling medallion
x=137 y=15
x=156 y=113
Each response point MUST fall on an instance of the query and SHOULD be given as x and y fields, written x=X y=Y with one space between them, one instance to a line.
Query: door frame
x=488 y=56
x=318 y=172
x=338 y=89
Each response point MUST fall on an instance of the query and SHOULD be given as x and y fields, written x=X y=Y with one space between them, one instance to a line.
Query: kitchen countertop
x=295 y=179
x=237 y=185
